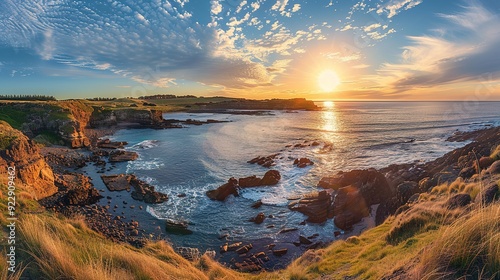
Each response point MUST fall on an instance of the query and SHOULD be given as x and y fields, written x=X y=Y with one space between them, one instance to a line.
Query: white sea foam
x=146 y=144
x=139 y=164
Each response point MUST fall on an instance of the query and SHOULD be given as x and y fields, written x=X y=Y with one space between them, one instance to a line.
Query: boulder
x=303 y=162
x=489 y=195
x=280 y=252
x=257 y=204
x=467 y=172
x=191 y=254
x=272 y=177
x=248 y=182
x=304 y=240
x=372 y=184
x=405 y=190
x=259 y=218
x=426 y=184
x=222 y=192
x=349 y=207
x=145 y=192
x=494 y=168
x=120 y=156
x=484 y=162
x=317 y=206
x=458 y=200
x=177 y=227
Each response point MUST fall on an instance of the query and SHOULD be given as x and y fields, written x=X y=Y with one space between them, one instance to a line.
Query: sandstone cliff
x=32 y=171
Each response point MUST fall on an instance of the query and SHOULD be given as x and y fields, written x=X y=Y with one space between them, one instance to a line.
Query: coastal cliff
x=24 y=155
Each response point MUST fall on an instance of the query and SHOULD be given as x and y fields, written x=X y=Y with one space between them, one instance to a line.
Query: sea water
x=352 y=135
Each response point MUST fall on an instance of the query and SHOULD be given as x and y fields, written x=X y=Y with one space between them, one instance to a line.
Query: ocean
x=351 y=135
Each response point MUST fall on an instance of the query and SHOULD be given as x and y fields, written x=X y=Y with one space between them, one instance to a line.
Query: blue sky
x=395 y=49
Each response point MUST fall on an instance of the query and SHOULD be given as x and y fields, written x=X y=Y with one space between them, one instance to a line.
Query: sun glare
x=328 y=80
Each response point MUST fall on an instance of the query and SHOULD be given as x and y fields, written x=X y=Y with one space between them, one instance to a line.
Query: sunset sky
x=322 y=49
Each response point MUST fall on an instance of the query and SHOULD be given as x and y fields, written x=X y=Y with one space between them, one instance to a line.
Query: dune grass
x=67 y=249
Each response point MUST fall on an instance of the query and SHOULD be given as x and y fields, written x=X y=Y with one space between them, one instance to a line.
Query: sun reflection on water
x=329 y=117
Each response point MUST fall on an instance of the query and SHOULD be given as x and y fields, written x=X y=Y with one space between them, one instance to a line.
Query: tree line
x=31 y=97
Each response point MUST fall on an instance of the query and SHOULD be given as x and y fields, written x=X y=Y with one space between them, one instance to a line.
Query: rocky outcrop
x=120 y=156
x=371 y=184
x=63 y=120
x=272 y=177
x=317 y=206
x=302 y=162
x=259 y=219
x=108 y=144
x=145 y=192
x=349 y=207
x=74 y=189
x=23 y=154
x=222 y=192
x=105 y=117
x=142 y=190
x=265 y=161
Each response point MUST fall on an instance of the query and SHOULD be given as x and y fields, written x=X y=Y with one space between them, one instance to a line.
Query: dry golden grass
x=68 y=249
x=468 y=247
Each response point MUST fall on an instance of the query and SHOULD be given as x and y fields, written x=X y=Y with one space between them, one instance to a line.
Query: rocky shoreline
x=356 y=199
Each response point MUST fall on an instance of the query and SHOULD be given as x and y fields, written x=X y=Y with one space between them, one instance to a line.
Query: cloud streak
x=468 y=51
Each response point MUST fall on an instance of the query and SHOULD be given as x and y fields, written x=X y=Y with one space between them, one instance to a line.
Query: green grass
x=48 y=138
x=14 y=117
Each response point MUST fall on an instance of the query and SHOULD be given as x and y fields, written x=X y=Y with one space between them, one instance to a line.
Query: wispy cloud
x=464 y=53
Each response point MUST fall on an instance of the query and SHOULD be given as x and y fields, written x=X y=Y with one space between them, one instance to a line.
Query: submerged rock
x=259 y=218
x=177 y=227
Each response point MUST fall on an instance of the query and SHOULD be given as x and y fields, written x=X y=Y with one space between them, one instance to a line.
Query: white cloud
x=296 y=7
x=255 y=6
x=372 y=27
x=395 y=6
x=216 y=7
x=240 y=6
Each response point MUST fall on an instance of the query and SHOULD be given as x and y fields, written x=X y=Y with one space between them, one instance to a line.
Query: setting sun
x=328 y=80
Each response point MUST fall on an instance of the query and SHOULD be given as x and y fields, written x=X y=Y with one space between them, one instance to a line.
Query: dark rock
x=304 y=240
x=494 y=168
x=317 y=206
x=484 y=163
x=467 y=172
x=349 y=207
x=222 y=192
x=303 y=162
x=280 y=252
x=177 y=227
x=188 y=253
x=257 y=204
x=259 y=218
x=145 y=192
x=244 y=249
x=285 y=230
x=458 y=200
x=372 y=184
x=489 y=195
x=248 y=182
x=405 y=190
x=272 y=177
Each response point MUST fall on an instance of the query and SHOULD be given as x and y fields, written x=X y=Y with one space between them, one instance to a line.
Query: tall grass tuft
x=468 y=247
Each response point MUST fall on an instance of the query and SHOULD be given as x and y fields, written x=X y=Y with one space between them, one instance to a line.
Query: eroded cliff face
x=103 y=117
x=65 y=120
x=31 y=169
